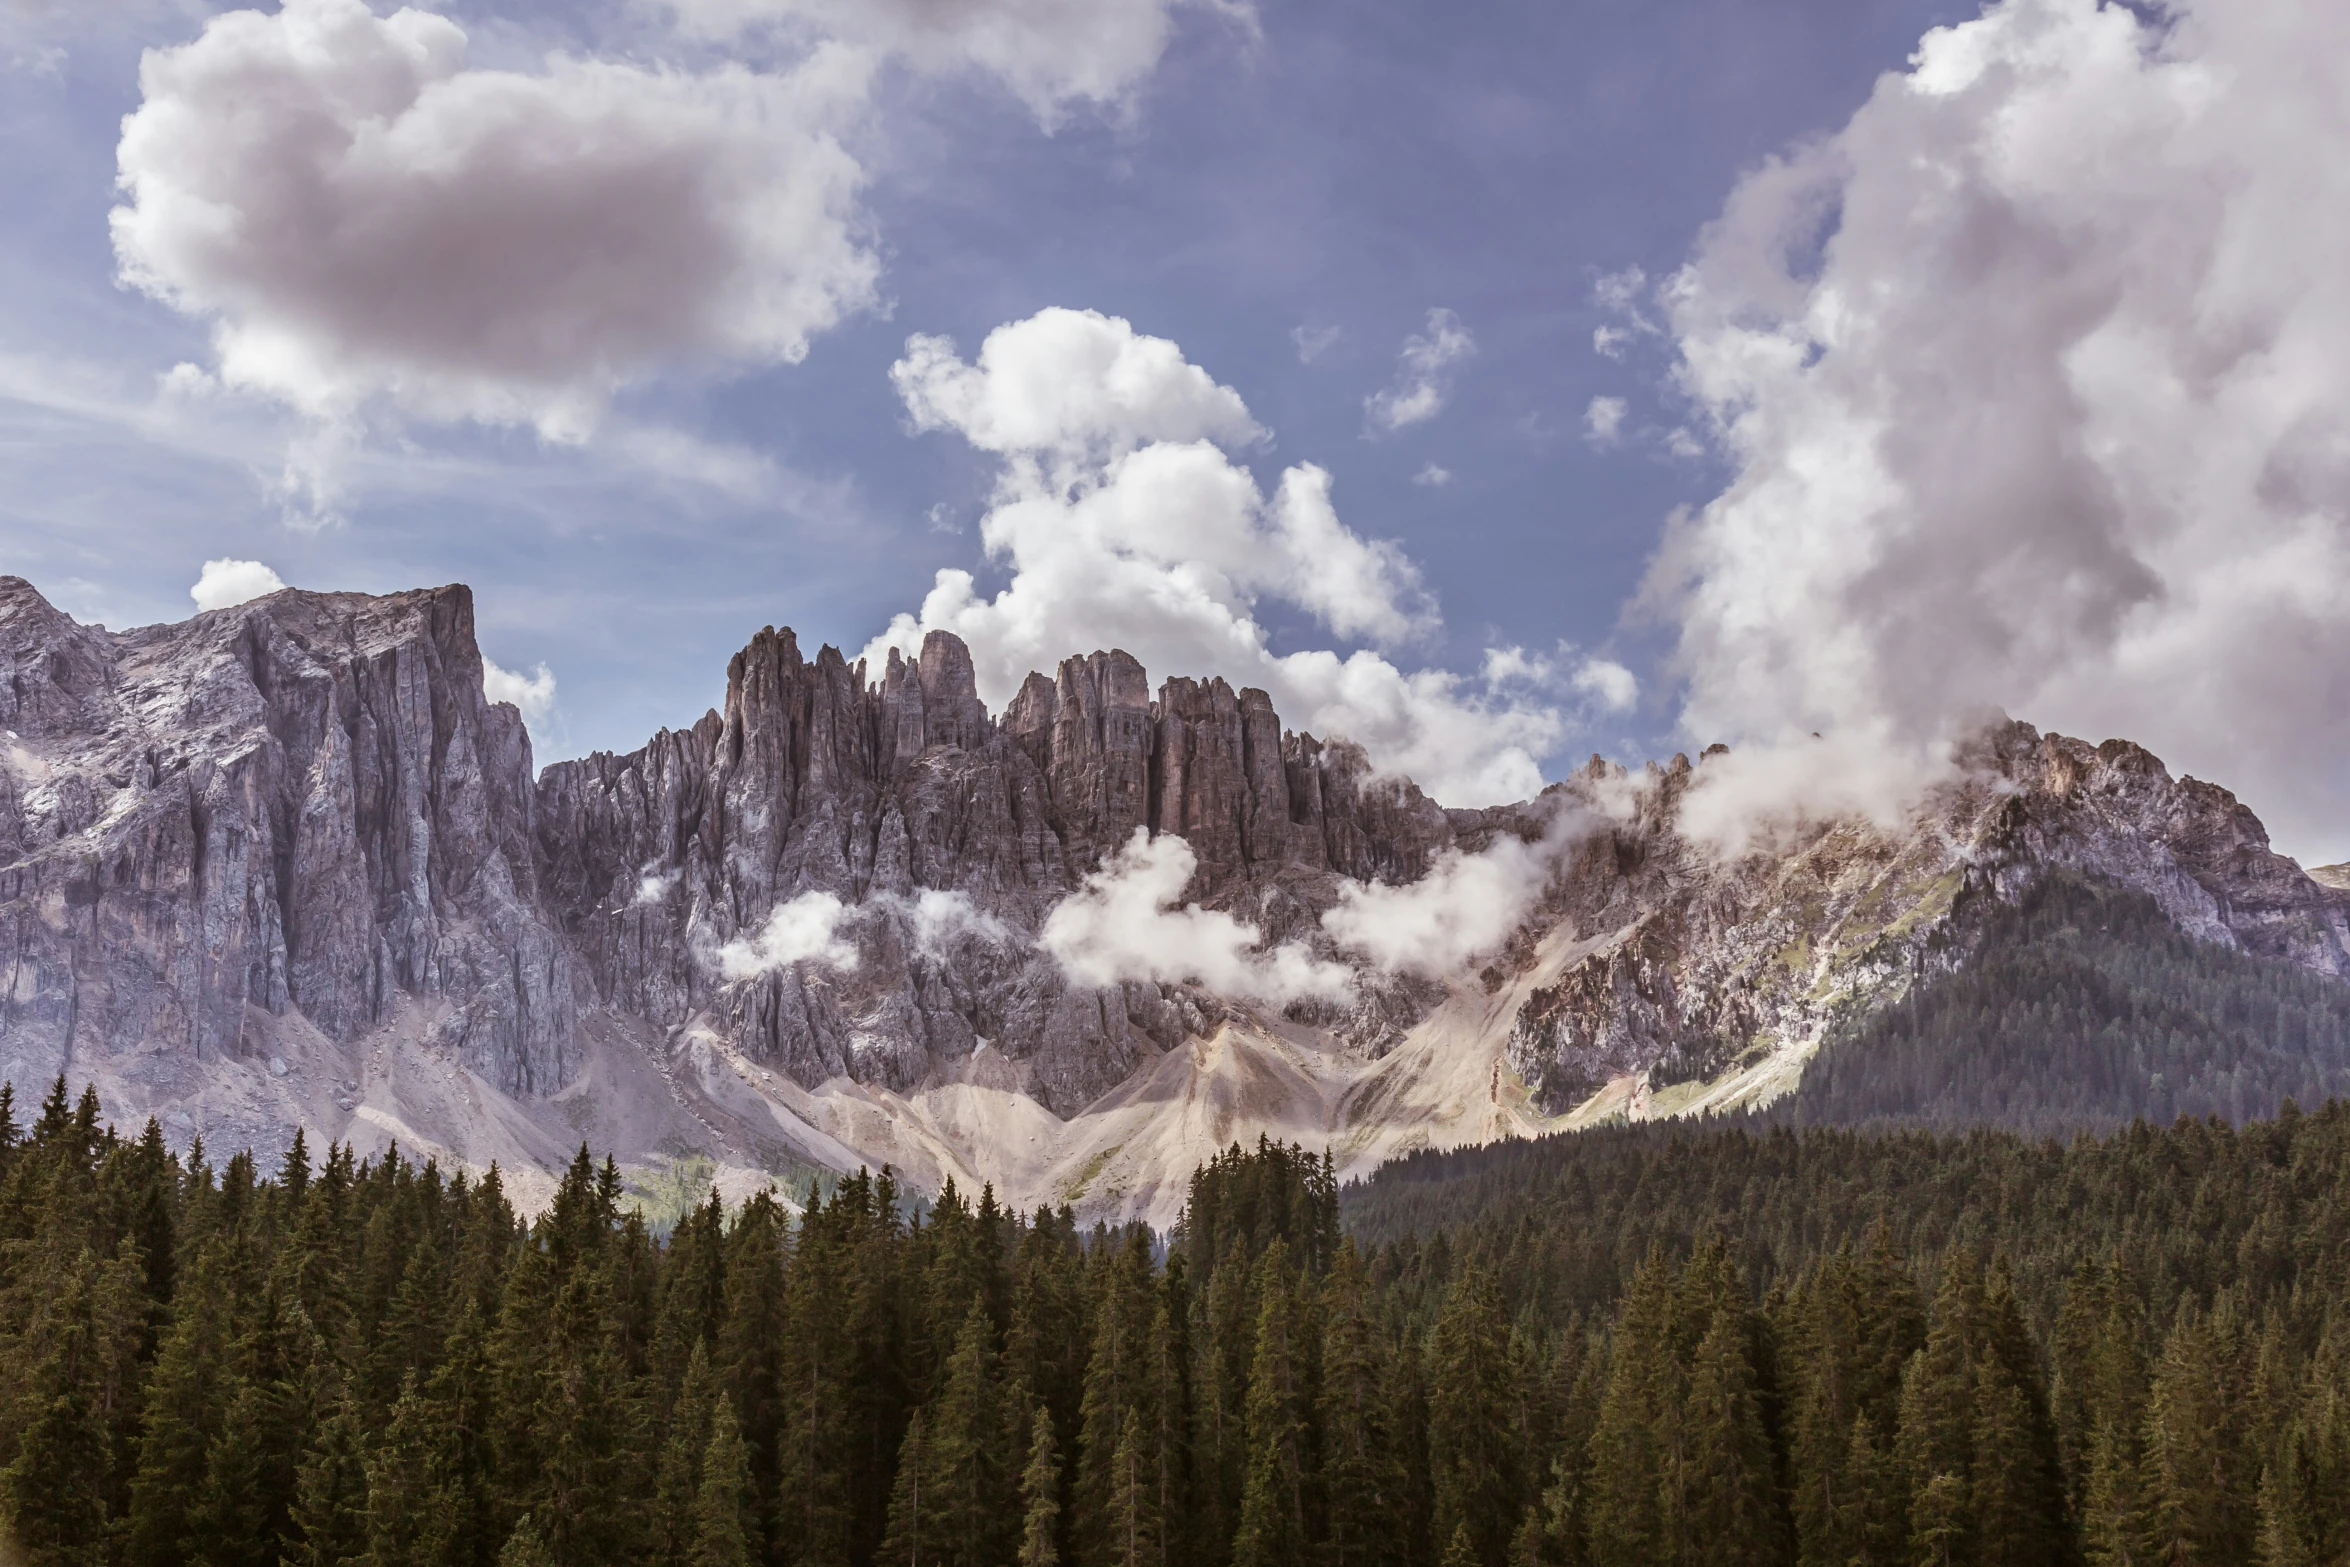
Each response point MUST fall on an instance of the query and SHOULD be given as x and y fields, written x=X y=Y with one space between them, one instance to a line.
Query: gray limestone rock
x=302 y=803
x=295 y=835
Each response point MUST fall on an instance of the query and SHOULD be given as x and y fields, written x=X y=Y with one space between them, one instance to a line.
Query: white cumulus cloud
x=1603 y=421
x=803 y=930
x=224 y=582
x=1423 y=375
x=1124 y=924
x=1608 y=683
x=362 y=215
x=1127 y=523
x=2036 y=379
x=1051 y=54
x=533 y=693
x=1070 y=388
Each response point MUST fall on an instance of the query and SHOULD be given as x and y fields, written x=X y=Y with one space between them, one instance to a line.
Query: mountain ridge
x=284 y=864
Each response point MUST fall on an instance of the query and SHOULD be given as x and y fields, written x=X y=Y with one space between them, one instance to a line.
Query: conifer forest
x=1649 y=1345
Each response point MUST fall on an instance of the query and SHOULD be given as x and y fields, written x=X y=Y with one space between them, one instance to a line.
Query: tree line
x=1724 y=1347
x=2081 y=1005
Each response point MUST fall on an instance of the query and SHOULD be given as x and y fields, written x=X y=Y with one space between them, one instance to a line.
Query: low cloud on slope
x=803 y=930
x=1128 y=523
x=2036 y=378
x=363 y=215
x=1124 y=925
x=1464 y=908
x=940 y=919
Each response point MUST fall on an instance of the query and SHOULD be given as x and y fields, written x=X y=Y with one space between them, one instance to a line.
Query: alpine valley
x=283 y=864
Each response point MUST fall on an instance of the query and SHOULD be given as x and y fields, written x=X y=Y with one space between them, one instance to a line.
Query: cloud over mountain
x=1128 y=523
x=2036 y=377
x=1124 y=924
x=222 y=583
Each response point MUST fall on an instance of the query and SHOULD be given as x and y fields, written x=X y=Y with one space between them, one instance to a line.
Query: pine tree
x=817 y=1362
x=1223 y=1344
x=458 y=1413
x=722 y=1507
x=526 y=1547
x=974 y=1486
x=1629 y=1455
x=1728 y=1481
x=229 y=1526
x=195 y=1412
x=748 y=1352
x=74 y=1357
x=1475 y=1478
x=2201 y=1489
x=579 y=1427
x=1934 y=1442
x=1040 y=1497
x=1938 y=1522
x=2017 y=1484
x=1118 y=1473
x=330 y=1496
x=1527 y=1544
x=1272 y=1503
x=952 y=1496
x=1359 y=1478
x=1872 y=1516
x=2009 y=1523
x=677 y=1481
x=411 y=1516
x=2304 y=1521
x=1850 y=1330
x=912 y=1514
x=2115 y=1529
x=1130 y=1521
x=187 y=1404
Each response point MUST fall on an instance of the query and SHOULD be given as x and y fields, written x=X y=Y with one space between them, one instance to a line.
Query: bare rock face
x=1707 y=966
x=816 y=780
x=300 y=803
x=298 y=825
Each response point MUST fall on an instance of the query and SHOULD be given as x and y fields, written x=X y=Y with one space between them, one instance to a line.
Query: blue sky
x=1350 y=168
x=1893 y=307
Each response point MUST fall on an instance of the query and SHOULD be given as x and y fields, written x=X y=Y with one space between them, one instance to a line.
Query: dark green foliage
x=722 y=1508
x=1273 y=1495
x=2083 y=1006
x=1690 y=1348
x=1475 y=1464
x=1040 y=1498
x=2135 y=1350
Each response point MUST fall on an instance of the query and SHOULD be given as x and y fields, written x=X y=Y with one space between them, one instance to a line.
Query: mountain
x=284 y=864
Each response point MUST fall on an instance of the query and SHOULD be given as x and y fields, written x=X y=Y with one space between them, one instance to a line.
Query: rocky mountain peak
x=284 y=864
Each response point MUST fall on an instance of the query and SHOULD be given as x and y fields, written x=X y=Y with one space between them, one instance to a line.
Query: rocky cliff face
x=818 y=779
x=1718 y=976
x=283 y=864
x=305 y=805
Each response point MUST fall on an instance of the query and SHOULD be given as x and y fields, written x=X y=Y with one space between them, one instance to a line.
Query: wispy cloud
x=1423 y=376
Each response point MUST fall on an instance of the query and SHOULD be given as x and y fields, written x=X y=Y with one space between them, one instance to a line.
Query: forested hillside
x=1639 y=1346
x=2081 y=1005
